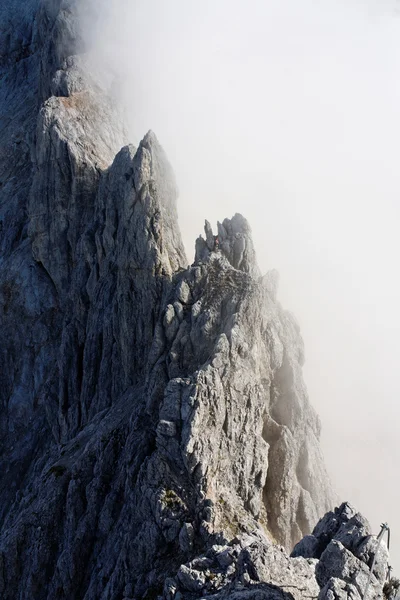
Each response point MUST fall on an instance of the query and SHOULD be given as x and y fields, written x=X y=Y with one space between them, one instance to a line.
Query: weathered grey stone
x=259 y=569
x=191 y=579
x=255 y=566
x=337 y=589
x=308 y=547
x=353 y=531
x=186 y=537
x=338 y=562
x=225 y=557
x=183 y=292
x=167 y=428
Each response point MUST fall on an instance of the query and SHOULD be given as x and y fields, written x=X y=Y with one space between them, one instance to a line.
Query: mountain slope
x=148 y=409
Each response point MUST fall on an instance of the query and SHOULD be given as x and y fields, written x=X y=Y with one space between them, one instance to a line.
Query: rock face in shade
x=154 y=422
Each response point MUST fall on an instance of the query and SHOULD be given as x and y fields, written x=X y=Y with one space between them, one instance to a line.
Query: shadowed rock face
x=149 y=410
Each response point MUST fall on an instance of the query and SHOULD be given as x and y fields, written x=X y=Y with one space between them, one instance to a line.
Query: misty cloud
x=288 y=112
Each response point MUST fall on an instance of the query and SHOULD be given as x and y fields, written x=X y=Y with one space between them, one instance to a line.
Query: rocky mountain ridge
x=155 y=430
x=335 y=562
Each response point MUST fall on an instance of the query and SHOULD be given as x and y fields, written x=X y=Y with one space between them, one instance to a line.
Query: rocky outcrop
x=343 y=543
x=333 y=563
x=243 y=354
x=153 y=414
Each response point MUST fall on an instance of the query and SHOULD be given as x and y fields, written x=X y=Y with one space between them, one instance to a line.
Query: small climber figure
x=216 y=242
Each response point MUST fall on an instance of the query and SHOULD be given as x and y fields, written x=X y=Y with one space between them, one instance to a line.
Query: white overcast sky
x=288 y=111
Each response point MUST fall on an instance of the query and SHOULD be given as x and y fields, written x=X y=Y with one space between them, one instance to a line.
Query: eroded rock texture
x=334 y=563
x=150 y=411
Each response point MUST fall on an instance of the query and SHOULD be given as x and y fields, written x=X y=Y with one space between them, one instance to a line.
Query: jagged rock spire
x=233 y=240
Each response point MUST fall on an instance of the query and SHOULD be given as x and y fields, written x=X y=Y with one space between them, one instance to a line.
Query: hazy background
x=288 y=111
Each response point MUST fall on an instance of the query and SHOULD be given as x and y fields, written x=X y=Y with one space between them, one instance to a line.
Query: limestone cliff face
x=149 y=410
